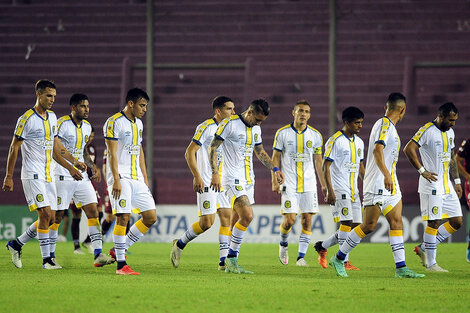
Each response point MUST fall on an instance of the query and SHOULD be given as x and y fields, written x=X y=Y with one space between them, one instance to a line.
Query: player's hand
x=198 y=184
x=331 y=198
x=116 y=192
x=215 y=182
x=429 y=176
x=8 y=184
x=324 y=190
x=80 y=165
x=388 y=183
x=275 y=186
x=75 y=173
x=279 y=177
x=96 y=173
x=458 y=190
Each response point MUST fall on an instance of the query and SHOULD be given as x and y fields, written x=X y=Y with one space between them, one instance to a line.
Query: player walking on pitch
x=438 y=198
x=297 y=146
x=381 y=190
x=240 y=136
x=209 y=202
x=127 y=176
x=342 y=165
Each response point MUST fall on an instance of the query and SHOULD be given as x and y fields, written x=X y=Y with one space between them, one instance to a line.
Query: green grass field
x=197 y=286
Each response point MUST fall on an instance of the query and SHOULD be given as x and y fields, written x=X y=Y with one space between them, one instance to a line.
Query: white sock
x=343 y=233
x=238 y=233
x=398 y=247
x=43 y=238
x=119 y=238
x=53 y=231
x=94 y=232
x=304 y=240
x=224 y=238
x=331 y=241
x=30 y=233
x=136 y=232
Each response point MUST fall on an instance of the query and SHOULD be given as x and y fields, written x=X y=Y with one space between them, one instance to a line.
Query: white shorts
x=385 y=202
x=437 y=207
x=39 y=194
x=135 y=197
x=233 y=192
x=347 y=210
x=210 y=201
x=82 y=193
x=299 y=202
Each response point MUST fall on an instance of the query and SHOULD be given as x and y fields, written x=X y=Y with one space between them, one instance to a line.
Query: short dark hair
x=351 y=114
x=219 y=102
x=393 y=100
x=446 y=108
x=260 y=106
x=77 y=98
x=135 y=94
x=301 y=102
x=42 y=84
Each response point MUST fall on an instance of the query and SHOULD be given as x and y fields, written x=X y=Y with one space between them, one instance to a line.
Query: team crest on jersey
x=206 y=204
x=40 y=198
x=344 y=211
x=122 y=203
x=239 y=188
x=309 y=144
x=256 y=137
x=435 y=210
x=287 y=204
x=359 y=151
x=59 y=200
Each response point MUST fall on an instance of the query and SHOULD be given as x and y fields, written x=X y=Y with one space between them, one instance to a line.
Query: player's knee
x=205 y=224
x=369 y=227
x=149 y=220
x=247 y=218
x=456 y=222
x=396 y=224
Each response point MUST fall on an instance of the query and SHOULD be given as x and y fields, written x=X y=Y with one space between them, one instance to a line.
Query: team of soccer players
x=224 y=178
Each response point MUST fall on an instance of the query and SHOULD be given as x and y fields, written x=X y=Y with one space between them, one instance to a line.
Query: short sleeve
x=257 y=135
x=111 y=129
x=278 y=143
x=383 y=132
x=224 y=129
x=318 y=144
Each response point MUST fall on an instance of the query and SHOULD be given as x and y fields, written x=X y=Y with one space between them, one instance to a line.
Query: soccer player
x=297 y=146
x=35 y=133
x=74 y=132
x=438 y=198
x=342 y=165
x=209 y=202
x=127 y=176
x=239 y=136
x=463 y=162
x=381 y=190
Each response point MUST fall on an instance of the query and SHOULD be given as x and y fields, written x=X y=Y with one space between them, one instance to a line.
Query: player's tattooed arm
x=87 y=158
x=263 y=156
x=454 y=169
x=215 y=143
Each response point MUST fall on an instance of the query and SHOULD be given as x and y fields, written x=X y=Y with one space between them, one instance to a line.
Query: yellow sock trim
x=54 y=226
x=345 y=228
x=240 y=226
x=93 y=222
x=283 y=230
x=119 y=230
x=307 y=232
x=36 y=224
x=396 y=233
x=230 y=233
x=43 y=231
x=430 y=231
x=224 y=231
x=141 y=226
x=197 y=228
x=359 y=232
x=449 y=228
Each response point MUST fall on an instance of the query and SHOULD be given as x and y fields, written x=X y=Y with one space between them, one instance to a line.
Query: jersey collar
x=241 y=118
x=73 y=121
x=44 y=119
x=350 y=139
x=122 y=112
x=296 y=131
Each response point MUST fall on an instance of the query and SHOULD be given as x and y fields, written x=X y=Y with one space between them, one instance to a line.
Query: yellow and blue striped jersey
x=383 y=132
x=346 y=155
x=297 y=149
x=74 y=138
x=128 y=134
x=38 y=135
x=203 y=137
x=239 y=142
x=435 y=149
